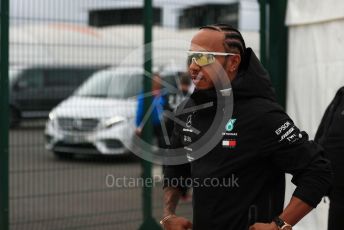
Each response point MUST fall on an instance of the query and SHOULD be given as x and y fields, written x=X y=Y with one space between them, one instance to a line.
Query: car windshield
x=111 y=84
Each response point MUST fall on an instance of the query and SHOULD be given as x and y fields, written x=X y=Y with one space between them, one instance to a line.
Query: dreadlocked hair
x=233 y=38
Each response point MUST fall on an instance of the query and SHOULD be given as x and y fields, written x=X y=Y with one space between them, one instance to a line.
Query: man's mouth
x=197 y=78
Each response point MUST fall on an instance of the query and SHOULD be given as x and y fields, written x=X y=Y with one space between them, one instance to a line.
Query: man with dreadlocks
x=264 y=144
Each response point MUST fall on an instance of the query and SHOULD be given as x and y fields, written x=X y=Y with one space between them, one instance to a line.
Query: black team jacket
x=260 y=145
x=330 y=135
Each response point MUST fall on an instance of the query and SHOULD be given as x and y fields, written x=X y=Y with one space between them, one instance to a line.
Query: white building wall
x=77 y=10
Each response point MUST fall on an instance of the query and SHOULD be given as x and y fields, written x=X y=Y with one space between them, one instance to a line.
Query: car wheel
x=14 y=117
x=61 y=155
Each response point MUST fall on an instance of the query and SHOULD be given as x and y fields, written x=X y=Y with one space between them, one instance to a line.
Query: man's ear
x=232 y=66
x=233 y=63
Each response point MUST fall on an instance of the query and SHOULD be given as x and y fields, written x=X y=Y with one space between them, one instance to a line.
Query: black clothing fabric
x=335 y=217
x=258 y=149
x=330 y=135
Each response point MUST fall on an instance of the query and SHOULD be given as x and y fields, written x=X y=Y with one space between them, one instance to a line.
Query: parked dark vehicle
x=35 y=90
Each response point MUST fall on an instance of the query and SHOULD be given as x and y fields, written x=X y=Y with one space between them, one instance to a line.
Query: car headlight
x=107 y=123
x=52 y=116
x=52 y=119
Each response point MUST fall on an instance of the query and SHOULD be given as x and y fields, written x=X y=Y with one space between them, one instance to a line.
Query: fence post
x=4 y=121
x=274 y=44
x=263 y=32
x=149 y=222
x=278 y=48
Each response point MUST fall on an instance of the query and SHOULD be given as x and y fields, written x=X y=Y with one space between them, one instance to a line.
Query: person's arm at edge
x=170 y=219
x=173 y=194
x=171 y=199
x=295 y=211
x=313 y=178
x=292 y=214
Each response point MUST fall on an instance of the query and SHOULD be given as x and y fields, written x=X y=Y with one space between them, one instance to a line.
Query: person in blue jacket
x=159 y=103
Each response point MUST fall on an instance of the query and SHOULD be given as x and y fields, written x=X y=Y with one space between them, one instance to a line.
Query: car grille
x=82 y=148
x=113 y=144
x=77 y=124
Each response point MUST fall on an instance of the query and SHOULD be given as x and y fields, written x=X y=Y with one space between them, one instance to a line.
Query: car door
x=27 y=91
x=56 y=86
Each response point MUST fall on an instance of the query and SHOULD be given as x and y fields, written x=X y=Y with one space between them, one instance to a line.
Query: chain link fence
x=69 y=167
x=76 y=80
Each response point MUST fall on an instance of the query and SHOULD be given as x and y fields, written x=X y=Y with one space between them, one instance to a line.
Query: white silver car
x=99 y=118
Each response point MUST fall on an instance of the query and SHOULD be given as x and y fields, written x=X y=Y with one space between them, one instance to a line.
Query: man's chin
x=203 y=87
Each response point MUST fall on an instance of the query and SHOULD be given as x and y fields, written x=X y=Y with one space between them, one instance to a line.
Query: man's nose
x=193 y=67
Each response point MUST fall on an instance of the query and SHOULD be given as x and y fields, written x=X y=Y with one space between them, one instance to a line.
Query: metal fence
x=52 y=172
x=57 y=177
